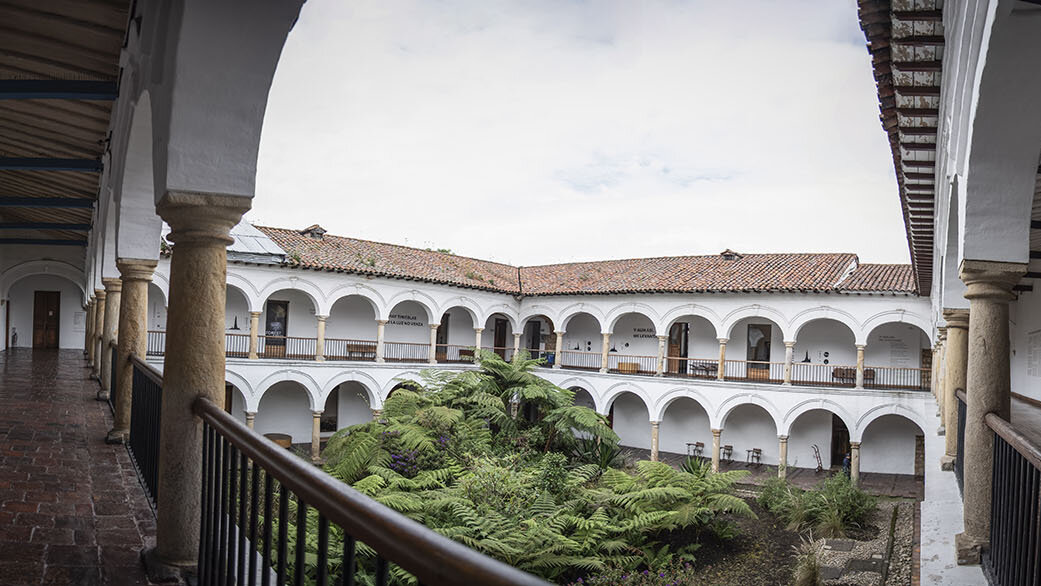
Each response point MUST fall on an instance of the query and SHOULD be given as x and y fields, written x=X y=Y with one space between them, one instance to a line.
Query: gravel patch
x=901 y=565
x=863 y=563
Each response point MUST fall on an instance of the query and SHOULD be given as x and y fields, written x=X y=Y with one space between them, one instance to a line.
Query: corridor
x=73 y=511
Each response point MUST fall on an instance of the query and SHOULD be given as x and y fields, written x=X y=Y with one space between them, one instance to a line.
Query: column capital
x=655 y=423
x=783 y=438
x=559 y=332
x=789 y=344
x=136 y=269
x=434 y=326
x=317 y=413
x=99 y=294
x=605 y=334
x=382 y=322
x=956 y=318
x=321 y=317
x=478 y=330
x=723 y=340
x=112 y=284
x=854 y=445
x=255 y=313
x=860 y=346
x=201 y=218
x=663 y=338
x=716 y=432
x=250 y=413
x=990 y=280
x=517 y=334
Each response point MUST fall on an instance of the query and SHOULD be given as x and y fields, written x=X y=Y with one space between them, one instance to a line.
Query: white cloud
x=540 y=132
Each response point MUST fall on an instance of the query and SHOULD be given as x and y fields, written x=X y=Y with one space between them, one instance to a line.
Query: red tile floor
x=71 y=508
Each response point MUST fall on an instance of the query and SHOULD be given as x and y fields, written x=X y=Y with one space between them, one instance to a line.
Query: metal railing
x=959 y=457
x=691 y=367
x=823 y=375
x=1014 y=555
x=145 y=411
x=580 y=360
x=342 y=349
x=113 y=349
x=896 y=378
x=454 y=353
x=632 y=364
x=287 y=347
x=156 y=343
x=272 y=518
x=405 y=352
x=754 y=371
x=236 y=345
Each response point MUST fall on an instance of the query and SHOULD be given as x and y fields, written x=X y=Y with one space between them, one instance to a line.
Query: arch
x=249 y=290
x=239 y=414
x=42 y=267
x=735 y=401
x=893 y=316
x=422 y=299
x=402 y=377
x=618 y=312
x=240 y=382
x=280 y=410
x=882 y=410
x=677 y=313
x=813 y=405
x=504 y=312
x=576 y=381
x=365 y=380
x=756 y=310
x=314 y=391
x=672 y=395
x=571 y=311
x=137 y=226
x=466 y=304
x=576 y=389
x=526 y=317
x=295 y=284
x=617 y=389
x=820 y=313
x=357 y=290
x=163 y=282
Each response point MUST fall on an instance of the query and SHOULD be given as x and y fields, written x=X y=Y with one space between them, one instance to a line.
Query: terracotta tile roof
x=725 y=272
x=879 y=277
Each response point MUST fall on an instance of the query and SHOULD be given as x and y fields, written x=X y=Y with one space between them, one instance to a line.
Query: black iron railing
x=156 y=343
x=113 y=351
x=339 y=349
x=1014 y=555
x=236 y=345
x=269 y=517
x=145 y=410
x=959 y=458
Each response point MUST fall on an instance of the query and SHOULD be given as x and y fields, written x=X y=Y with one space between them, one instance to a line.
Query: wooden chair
x=754 y=456
x=695 y=449
x=727 y=454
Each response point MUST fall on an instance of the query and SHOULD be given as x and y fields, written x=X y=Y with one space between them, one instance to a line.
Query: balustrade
x=341 y=349
x=896 y=378
x=632 y=364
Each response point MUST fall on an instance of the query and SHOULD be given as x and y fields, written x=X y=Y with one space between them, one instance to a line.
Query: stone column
x=722 y=370
x=136 y=274
x=251 y=418
x=110 y=333
x=854 y=463
x=194 y=365
x=605 y=347
x=954 y=379
x=88 y=343
x=99 y=329
x=789 y=355
x=860 y=366
x=938 y=387
x=376 y=414
x=516 y=342
x=782 y=456
x=660 y=370
x=433 y=344
x=381 y=325
x=558 y=359
x=316 y=437
x=988 y=388
x=655 y=426
x=254 y=334
x=477 y=341
x=715 y=449
x=319 y=345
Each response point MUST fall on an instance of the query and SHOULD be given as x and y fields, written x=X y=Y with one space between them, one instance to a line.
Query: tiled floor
x=71 y=508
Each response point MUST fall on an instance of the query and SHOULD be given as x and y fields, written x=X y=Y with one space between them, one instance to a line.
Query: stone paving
x=71 y=508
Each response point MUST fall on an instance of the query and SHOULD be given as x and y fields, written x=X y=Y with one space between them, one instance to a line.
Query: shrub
x=808 y=562
x=671 y=575
x=830 y=508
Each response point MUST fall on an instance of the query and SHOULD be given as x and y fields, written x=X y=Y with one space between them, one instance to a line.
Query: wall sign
x=644 y=333
x=402 y=319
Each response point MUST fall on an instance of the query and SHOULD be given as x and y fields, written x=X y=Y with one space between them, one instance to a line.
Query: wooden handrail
x=150 y=371
x=430 y=556
x=1019 y=442
x=960 y=394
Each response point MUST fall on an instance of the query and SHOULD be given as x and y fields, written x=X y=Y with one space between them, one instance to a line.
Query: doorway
x=678 y=338
x=839 y=440
x=46 y=314
x=499 y=339
x=441 y=339
x=276 y=328
x=758 y=353
x=534 y=338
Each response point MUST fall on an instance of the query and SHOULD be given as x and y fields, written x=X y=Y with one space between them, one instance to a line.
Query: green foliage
x=831 y=508
x=662 y=575
x=808 y=554
x=537 y=491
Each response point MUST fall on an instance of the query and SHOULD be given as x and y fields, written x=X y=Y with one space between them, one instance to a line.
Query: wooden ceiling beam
x=918 y=146
x=919 y=15
x=59 y=89
x=43 y=241
x=45 y=164
x=919 y=41
x=46 y=202
x=918 y=65
x=917 y=90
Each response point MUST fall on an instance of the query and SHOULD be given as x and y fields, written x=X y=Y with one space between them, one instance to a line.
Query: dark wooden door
x=678 y=335
x=46 y=313
x=534 y=337
x=276 y=328
x=499 y=341
x=839 y=440
x=442 y=339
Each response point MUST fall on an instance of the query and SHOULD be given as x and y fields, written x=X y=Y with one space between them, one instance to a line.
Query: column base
x=947 y=463
x=117 y=436
x=319 y=358
x=788 y=384
x=103 y=395
x=968 y=549
x=557 y=366
x=253 y=357
x=603 y=370
x=163 y=573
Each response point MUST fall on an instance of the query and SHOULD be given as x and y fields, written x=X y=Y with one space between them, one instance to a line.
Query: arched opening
x=685 y=429
x=755 y=351
x=407 y=333
x=236 y=323
x=893 y=444
x=581 y=343
x=350 y=329
x=692 y=348
x=825 y=354
x=289 y=326
x=498 y=336
x=583 y=398
x=630 y=419
x=898 y=355
x=156 y=344
x=234 y=401
x=539 y=339
x=45 y=312
x=749 y=427
x=820 y=429
x=455 y=335
x=285 y=408
x=346 y=405
x=634 y=345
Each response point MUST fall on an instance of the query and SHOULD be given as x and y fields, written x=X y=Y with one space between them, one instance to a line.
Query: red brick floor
x=71 y=508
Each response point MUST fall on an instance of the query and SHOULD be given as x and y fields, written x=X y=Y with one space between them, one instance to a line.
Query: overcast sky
x=549 y=131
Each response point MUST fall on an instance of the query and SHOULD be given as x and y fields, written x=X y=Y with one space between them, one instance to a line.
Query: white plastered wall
x=21 y=299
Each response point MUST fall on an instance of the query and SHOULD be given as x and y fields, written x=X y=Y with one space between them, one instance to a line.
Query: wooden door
x=534 y=337
x=759 y=351
x=927 y=368
x=678 y=337
x=276 y=328
x=839 y=440
x=499 y=339
x=441 y=341
x=46 y=313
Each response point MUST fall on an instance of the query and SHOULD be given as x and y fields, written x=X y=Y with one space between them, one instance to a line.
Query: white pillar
x=715 y=449
x=477 y=342
x=433 y=344
x=854 y=463
x=605 y=347
x=251 y=418
x=660 y=370
x=319 y=353
x=316 y=437
x=516 y=343
x=860 y=365
x=254 y=334
x=558 y=361
x=380 y=327
x=721 y=372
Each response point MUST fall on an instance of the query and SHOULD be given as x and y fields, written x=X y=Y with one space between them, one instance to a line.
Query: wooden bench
x=629 y=367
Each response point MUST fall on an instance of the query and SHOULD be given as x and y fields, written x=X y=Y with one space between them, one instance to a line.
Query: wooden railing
x=256 y=528
x=453 y=353
x=580 y=360
x=896 y=379
x=823 y=375
x=691 y=367
x=113 y=349
x=631 y=364
x=236 y=345
x=287 y=347
x=754 y=371
x=1014 y=555
x=405 y=352
x=340 y=349
x=156 y=343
